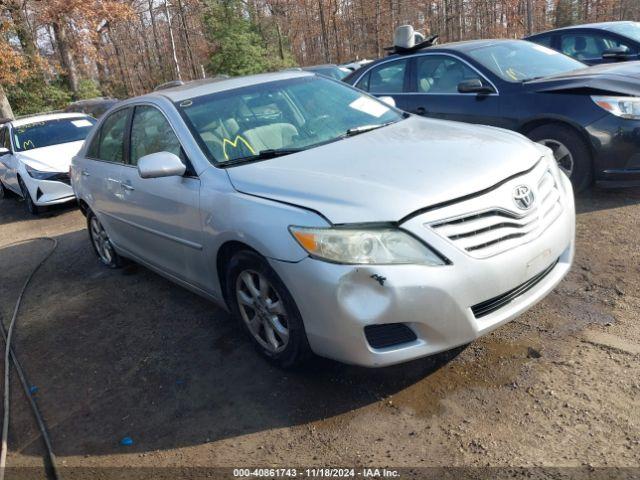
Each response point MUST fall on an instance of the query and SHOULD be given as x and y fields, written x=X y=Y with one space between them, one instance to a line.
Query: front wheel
x=266 y=310
x=101 y=243
x=31 y=207
x=570 y=151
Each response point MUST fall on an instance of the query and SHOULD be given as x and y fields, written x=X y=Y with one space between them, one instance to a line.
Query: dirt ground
x=125 y=353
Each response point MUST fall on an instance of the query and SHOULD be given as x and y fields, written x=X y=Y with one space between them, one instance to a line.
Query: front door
x=434 y=91
x=162 y=215
x=9 y=163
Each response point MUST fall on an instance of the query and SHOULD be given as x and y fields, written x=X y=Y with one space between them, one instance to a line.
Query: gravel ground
x=125 y=353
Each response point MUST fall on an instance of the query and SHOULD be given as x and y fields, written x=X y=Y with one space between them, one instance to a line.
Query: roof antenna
x=407 y=40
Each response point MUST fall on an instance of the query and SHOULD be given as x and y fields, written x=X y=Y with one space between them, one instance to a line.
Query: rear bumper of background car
x=616 y=145
x=352 y=313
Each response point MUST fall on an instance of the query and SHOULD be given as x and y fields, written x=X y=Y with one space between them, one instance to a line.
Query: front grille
x=388 y=334
x=495 y=303
x=495 y=230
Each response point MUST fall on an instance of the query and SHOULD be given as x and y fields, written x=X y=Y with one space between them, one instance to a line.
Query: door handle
x=421 y=110
x=85 y=173
x=127 y=187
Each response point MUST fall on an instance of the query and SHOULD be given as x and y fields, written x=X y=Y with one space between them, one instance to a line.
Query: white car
x=35 y=155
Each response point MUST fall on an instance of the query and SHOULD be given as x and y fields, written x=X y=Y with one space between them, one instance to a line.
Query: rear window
x=51 y=132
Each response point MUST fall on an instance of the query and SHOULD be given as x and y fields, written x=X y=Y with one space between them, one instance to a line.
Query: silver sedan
x=324 y=219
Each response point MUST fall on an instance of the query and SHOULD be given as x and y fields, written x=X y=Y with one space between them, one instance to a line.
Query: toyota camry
x=324 y=219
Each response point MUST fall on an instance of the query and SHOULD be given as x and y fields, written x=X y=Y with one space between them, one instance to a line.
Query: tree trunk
x=173 y=42
x=5 y=106
x=66 y=56
x=187 y=40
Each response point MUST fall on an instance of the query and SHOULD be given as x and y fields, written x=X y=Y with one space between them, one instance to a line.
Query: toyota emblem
x=523 y=197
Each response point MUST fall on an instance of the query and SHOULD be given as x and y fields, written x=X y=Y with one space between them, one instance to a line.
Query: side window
x=363 y=83
x=151 y=133
x=589 y=46
x=6 y=138
x=544 y=40
x=442 y=74
x=111 y=138
x=387 y=78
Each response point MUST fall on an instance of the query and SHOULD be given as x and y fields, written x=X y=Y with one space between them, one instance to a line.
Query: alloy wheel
x=262 y=311
x=562 y=155
x=101 y=242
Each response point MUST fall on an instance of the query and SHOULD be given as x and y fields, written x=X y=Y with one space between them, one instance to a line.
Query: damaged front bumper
x=443 y=306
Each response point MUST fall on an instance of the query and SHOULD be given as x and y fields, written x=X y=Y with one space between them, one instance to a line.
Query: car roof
x=597 y=26
x=45 y=117
x=207 y=86
x=461 y=46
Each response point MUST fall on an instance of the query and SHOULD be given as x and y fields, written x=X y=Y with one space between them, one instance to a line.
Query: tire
x=32 y=208
x=266 y=316
x=575 y=158
x=101 y=243
x=4 y=191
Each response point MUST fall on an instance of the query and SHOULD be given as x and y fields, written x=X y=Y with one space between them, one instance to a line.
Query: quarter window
x=151 y=133
x=442 y=74
x=386 y=78
x=111 y=138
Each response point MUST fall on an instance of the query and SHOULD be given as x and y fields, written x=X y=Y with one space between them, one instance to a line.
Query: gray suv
x=324 y=219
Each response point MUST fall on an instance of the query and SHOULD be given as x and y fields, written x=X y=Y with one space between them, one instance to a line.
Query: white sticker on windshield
x=369 y=106
x=81 y=123
x=546 y=50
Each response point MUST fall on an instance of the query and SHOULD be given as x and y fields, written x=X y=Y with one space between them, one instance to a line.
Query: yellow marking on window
x=234 y=144
x=28 y=144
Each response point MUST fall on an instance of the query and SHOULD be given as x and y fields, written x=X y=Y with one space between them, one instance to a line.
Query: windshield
x=628 y=29
x=280 y=117
x=331 y=72
x=519 y=60
x=51 y=132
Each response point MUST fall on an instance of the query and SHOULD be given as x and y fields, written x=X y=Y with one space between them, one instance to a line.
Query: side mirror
x=160 y=164
x=474 y=86
x=616 y=53
x=4 y=151
x=388 y=100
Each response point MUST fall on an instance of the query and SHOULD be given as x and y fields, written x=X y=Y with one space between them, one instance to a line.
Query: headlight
x=365 y=246
x=625 y=107
x=38 y=174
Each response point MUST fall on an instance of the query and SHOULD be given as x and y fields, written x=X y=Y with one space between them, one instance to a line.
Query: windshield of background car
x=51 y=132
x=295 y=114
x=630 y=30
x=520 y=61
x=331 y=72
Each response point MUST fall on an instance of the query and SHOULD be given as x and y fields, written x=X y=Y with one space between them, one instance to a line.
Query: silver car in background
x=324 y=219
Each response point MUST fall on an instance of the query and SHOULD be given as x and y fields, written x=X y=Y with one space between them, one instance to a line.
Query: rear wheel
x=101 y=243
x=570 y=151
x=266 y=309
x=28 y=201
x=4 y=193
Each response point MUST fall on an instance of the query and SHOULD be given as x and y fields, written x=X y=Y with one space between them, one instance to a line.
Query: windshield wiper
x=365 y=128
x=269 y=153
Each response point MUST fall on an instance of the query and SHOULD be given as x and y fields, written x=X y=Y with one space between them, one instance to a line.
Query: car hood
x=611 y=78
x=389 y=173
x=55 y=158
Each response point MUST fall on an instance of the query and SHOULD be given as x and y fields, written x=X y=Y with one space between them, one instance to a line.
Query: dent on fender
x=361 y=293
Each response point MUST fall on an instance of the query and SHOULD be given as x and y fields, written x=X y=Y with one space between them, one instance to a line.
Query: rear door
x=162 y=215
x=389 y=79
x=433 y=89
x=101 y=173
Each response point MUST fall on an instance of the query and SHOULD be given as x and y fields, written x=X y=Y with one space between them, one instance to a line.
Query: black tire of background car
x=3 y=191
x=116 y=260
x=297 y=351
x=582 y=174
x=28 y=201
